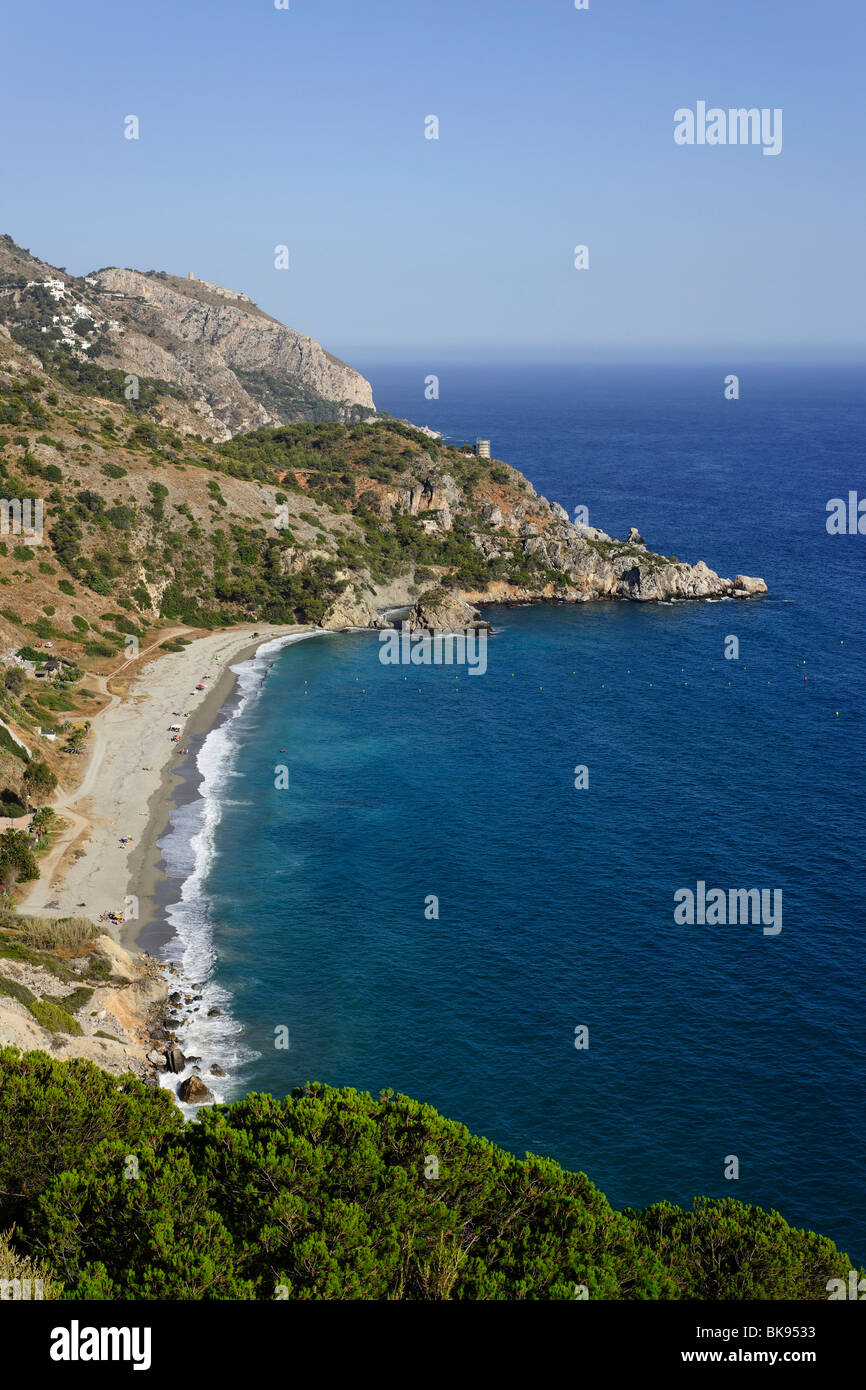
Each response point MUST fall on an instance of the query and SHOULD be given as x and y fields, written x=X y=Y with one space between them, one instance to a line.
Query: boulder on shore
x=193 y=1091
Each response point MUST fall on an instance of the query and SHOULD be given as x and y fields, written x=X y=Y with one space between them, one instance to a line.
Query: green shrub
x=53 y=700
x=11 y=804
x=98 y=583
x=17 y=860
x=51 y=1016
x=9 y=745
x=724 y=1250
x=13 y=989
x=326 y=1194
x=76 y=1000
x=52 y=1115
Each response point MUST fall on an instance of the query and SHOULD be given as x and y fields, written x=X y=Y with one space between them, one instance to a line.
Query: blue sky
x=305 y=127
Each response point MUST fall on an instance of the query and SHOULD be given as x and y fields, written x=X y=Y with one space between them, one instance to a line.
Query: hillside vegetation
x=270 y=525
x=333 y=1194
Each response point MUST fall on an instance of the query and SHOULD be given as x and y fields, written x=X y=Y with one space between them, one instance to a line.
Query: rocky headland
x=509 y=524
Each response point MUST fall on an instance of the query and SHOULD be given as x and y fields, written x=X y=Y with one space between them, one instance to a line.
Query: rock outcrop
x=586 y=563
x=351 y=610
x=243 y=368
x=435 y=501
x=743 y=584
x=445 y=610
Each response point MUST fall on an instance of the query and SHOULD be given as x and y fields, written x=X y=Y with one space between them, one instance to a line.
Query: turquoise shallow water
x=556 y=904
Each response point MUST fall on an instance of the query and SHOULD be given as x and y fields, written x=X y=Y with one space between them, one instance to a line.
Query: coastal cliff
x=69 y=989
x=243 y=368
x=89 y=999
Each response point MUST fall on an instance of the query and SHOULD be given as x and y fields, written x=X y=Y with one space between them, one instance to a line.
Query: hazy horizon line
x=682 y=357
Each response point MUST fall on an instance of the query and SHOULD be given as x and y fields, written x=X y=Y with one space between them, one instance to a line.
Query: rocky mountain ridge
x=231 y=367
x=210 y=341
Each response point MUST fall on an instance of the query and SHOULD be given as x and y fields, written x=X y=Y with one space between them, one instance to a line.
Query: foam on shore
x=188 y=851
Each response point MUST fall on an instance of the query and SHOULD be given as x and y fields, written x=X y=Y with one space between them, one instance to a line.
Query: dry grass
x=49 y=933
x=15 y=1268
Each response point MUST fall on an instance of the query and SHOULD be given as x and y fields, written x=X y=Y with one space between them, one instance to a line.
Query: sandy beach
x=128 y=782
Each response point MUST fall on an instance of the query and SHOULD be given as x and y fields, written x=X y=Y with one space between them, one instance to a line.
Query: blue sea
x=306 y=911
